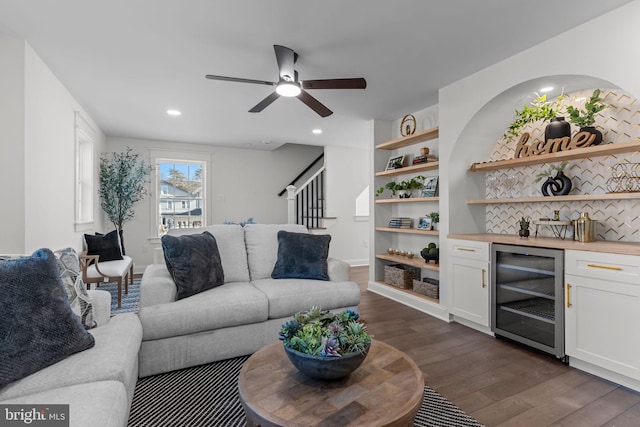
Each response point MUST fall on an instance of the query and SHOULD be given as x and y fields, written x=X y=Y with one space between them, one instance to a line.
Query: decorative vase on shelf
x=560 y=185
x=592 y=130
x=557 y=128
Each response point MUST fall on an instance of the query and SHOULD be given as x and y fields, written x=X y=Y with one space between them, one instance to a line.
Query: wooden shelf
x=410 y=292
x=410 y=200
x=410 y=169
x=579 y=153
x=416 y=261
x=405 y=141
x=569 y=198
x=409 y=231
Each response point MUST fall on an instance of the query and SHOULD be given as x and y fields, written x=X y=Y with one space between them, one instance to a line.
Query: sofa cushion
x=114 y=357
x=102 y=403
x=288 y=296
x=231 y=304
x=69 y=267
x=106 y=246
x=302 y=256
x=233 y=254
x=262 y=246
x=194 y=262
x=38 y=327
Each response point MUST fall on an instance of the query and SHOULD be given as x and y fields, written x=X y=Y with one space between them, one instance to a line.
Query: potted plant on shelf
x=585 y=119
x=404 y=188
x=539 y=109
x=435 y=220
x=558 y=185
x=524 y=227
x=325 y=345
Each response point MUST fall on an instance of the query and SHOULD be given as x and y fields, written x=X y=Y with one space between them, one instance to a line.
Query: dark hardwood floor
x=495 y=381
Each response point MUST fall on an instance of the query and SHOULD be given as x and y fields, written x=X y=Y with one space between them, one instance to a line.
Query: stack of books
x=401 y=222
x=417 y=160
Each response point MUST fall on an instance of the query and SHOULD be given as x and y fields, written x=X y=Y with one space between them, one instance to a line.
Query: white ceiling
x=127 y=62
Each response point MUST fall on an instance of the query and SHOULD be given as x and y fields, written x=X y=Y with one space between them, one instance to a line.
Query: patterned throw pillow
x=79 y=300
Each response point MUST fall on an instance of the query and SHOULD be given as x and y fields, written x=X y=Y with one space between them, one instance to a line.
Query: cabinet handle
x=607 y=267
x=466 y=249
x=568 y=295
x=484 y=285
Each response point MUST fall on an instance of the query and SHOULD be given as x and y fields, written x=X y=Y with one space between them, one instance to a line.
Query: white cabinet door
x=602 y=310
x=469 y=275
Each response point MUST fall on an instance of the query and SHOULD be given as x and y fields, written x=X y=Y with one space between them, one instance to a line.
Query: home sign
x=553 y=145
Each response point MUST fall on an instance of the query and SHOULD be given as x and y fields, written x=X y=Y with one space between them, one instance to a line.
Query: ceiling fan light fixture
x=288 y=89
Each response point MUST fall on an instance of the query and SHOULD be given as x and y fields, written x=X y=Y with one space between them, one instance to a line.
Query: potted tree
x=585 y=119
x=123 y=179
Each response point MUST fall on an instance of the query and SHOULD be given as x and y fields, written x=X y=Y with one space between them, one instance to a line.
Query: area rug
x=207 y=395
x=129 y=301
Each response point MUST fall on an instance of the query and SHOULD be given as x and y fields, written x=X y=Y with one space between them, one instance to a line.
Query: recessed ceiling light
x=173 y=112
x=546 y=89
x=317 y=131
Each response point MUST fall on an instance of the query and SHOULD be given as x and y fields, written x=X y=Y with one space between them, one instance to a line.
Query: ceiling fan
x=288 y=84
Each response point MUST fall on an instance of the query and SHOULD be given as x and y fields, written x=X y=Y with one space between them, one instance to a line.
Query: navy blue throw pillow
x=302 y=256
x=37 y=327
x=193 y=260
x=107 y=246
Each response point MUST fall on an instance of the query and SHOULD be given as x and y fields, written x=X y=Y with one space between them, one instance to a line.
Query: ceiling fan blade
x=358 y=83
x=314 y=104
x=286 y=58
x=265 y=103
x=236 y=79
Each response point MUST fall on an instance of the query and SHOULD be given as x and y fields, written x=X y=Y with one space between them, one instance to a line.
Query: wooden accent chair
x=120 y=271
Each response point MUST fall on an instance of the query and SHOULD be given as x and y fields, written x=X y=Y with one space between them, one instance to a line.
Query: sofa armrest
x=158 y=256
x=101 y=302
x=338 y=270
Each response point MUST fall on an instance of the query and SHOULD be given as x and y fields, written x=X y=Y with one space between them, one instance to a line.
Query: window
x=84 y=172
x=180 y=189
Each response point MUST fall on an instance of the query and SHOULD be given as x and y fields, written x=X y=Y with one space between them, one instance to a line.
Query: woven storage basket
x=428 y=287
x=400 y=275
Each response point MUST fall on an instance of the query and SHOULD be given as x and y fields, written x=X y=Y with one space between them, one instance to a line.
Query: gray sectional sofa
x=243 y=314
x=97 y=383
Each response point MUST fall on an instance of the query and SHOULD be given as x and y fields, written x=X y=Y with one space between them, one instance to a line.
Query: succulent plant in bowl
x=325 y=345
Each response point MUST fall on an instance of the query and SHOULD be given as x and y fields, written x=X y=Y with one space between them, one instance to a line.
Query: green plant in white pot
x=404 y=188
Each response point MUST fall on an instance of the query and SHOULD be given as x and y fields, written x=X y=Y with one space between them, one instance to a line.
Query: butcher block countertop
x=624 y=248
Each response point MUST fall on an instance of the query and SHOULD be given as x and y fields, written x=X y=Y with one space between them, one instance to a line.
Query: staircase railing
x=306 y=204
x=301 y=174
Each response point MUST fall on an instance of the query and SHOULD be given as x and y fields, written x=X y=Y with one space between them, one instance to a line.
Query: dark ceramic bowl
x=430 y=257
x=325 y=368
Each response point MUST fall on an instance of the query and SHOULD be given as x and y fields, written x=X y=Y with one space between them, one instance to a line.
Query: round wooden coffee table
x=386 y=390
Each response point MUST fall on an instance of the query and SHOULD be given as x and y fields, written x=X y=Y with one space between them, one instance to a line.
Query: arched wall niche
x=481 y=135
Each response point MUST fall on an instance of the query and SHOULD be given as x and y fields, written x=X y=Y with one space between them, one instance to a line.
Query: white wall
x=243 y=184
x=39 y=152
x=12 y=145
x=347 y=176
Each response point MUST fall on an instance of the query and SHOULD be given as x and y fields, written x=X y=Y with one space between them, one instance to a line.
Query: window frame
x=158 y=156
x=84 y=180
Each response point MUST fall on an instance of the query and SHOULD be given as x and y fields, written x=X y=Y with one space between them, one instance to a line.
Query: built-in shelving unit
x=400 y=207
x=409 y=230
x=410 y=169
x=410 y=200
x=578 y=153
x=414 y=262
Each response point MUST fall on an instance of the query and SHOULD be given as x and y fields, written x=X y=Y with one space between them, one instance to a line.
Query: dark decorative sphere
x=323 y=367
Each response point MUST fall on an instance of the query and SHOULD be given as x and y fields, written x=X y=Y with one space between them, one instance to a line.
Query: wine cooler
x=527 y=299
